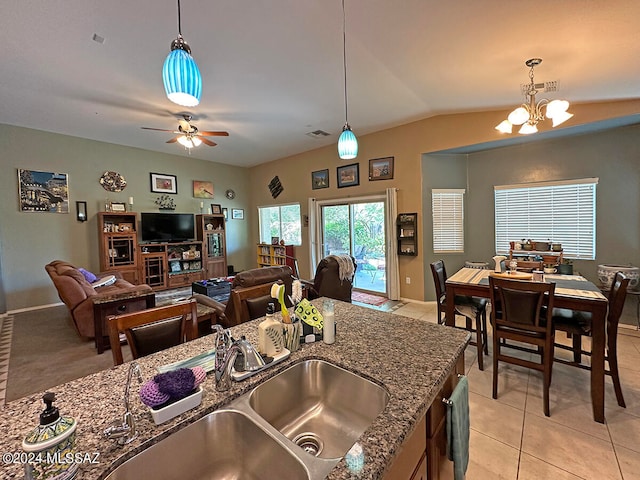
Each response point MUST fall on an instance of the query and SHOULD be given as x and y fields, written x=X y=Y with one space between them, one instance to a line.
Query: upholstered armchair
x=250 y=295
x=333 y=279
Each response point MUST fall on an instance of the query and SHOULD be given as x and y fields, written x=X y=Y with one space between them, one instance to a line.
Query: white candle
x=130 y=200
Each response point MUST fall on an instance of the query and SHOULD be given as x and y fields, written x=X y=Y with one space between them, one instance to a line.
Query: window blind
x=561 y=212
x=447 y=208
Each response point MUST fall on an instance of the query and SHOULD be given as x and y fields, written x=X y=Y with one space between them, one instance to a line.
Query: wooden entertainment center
x=162 y=265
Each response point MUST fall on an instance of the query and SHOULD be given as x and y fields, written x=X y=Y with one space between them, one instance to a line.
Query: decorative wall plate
x=230 y=194
x=113 y=182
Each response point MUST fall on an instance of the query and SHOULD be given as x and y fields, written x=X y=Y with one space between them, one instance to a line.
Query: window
x=447 y=207
x=282 y=221
x=561 y=212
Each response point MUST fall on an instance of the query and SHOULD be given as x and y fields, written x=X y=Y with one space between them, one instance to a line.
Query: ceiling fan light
x=505 y=127
x=518 y=116
x=528 y=129
x=182 y=79
x=347 y=144
x=187 y=141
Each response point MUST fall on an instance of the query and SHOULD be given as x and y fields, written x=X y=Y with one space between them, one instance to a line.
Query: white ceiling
x=272 y=69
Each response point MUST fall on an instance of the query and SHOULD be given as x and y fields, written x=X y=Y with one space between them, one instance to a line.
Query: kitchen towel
x=458 y=428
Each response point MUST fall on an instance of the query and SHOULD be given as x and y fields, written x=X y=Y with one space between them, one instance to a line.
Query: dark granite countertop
x=410 y=358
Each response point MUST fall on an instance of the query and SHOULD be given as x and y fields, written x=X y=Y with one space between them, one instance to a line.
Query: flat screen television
x=167 y=227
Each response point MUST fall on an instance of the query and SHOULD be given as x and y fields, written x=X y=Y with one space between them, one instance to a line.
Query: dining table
x=572 y=292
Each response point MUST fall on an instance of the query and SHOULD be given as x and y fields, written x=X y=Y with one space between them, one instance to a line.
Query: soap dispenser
x=270 y=339
x=51 y=445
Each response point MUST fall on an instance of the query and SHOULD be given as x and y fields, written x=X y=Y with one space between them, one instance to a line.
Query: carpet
x=368 y=298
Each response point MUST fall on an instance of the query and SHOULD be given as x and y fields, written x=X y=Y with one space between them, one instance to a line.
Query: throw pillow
x=88 y=275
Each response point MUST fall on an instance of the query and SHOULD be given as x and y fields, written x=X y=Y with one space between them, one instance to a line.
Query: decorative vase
x=606 y=272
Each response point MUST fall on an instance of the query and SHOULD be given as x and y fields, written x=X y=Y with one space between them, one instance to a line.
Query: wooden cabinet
x=407 y=234
x=210 y=230
x=425 y=450
x=276 y=255
x=153 y=259
x=119 y=244
x=171 y=265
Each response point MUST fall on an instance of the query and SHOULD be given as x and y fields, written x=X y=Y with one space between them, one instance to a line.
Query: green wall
x=29 y=241
x=613 y=156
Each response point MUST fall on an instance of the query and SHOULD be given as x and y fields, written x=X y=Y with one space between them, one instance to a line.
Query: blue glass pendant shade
x=347 y=144
x=182 y=79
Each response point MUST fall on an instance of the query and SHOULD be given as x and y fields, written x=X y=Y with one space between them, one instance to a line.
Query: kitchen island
x=412 y=359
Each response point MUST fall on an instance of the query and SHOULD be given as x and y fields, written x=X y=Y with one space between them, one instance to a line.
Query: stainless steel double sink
x=296 y=425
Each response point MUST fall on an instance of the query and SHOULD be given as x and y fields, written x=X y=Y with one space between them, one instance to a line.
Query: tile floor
x=512 y=439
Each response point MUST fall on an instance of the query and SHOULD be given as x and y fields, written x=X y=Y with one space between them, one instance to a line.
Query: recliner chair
x=327 y=282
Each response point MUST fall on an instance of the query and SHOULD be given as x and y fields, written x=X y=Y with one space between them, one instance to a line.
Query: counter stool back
x=153 y=330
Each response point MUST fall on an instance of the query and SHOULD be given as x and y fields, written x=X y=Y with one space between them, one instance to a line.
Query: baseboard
x=31 y=309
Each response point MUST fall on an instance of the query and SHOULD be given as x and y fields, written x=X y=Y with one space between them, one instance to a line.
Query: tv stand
x=171 y=264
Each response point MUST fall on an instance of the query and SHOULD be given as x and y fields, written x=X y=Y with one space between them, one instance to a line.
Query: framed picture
x=216 y=209
x=349 y=175
x=225 y=212
x=118 y=207
x=381 y=168
x=275 y=240
x=161 y=183
x=237 y=213
x=202 y=189
x=43 y=191
x=320 y=179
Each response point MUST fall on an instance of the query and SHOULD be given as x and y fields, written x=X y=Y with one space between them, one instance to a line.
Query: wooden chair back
x=149 y=331
x=617 y=296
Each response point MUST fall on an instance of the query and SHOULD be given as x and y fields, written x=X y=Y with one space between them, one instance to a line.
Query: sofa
x=80 y=296
x=250 y=295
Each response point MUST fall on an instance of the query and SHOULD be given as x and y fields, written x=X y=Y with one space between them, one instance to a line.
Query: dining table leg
x=598 y=347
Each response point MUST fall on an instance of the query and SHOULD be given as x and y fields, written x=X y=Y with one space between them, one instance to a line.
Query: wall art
x=349 y=175
x=202 y=189
x=320 y=179
x=43 y=191
x=381 y=168
x=161 y=183
x=275 y=187
x=237 y=213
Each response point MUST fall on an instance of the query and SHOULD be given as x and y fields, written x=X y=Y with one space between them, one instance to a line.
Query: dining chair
x=578 y=324
x=523 y=319
x=149 y=331
x=473 y=309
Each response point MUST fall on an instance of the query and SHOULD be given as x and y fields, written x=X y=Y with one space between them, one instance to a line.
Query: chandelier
x=347 y=143
x=529 y=114
x=180 y=73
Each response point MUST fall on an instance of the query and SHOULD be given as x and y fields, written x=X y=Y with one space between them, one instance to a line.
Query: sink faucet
x=125 y=431
x=227 y=350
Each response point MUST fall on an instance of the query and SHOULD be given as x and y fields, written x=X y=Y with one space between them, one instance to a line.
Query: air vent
x=98 y=39
x=318 y=134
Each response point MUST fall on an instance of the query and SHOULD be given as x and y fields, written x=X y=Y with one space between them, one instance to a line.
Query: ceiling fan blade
x=157 y=129
x=213 y=134
x=173 y=140
x=208 y=142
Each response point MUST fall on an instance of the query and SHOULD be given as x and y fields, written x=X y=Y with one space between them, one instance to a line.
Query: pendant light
x=347 y=143
x=180 y=73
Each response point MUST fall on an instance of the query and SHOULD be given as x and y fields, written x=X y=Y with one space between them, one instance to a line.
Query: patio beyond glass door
x=358 y=229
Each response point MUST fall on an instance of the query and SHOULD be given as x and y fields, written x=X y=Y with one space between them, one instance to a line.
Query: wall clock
x=113 y=182
x=230 y=194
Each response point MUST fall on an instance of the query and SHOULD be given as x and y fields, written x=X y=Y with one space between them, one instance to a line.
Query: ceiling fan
x=188 y=135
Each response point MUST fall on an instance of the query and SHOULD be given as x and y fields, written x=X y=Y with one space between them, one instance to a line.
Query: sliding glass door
x=357 y=228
